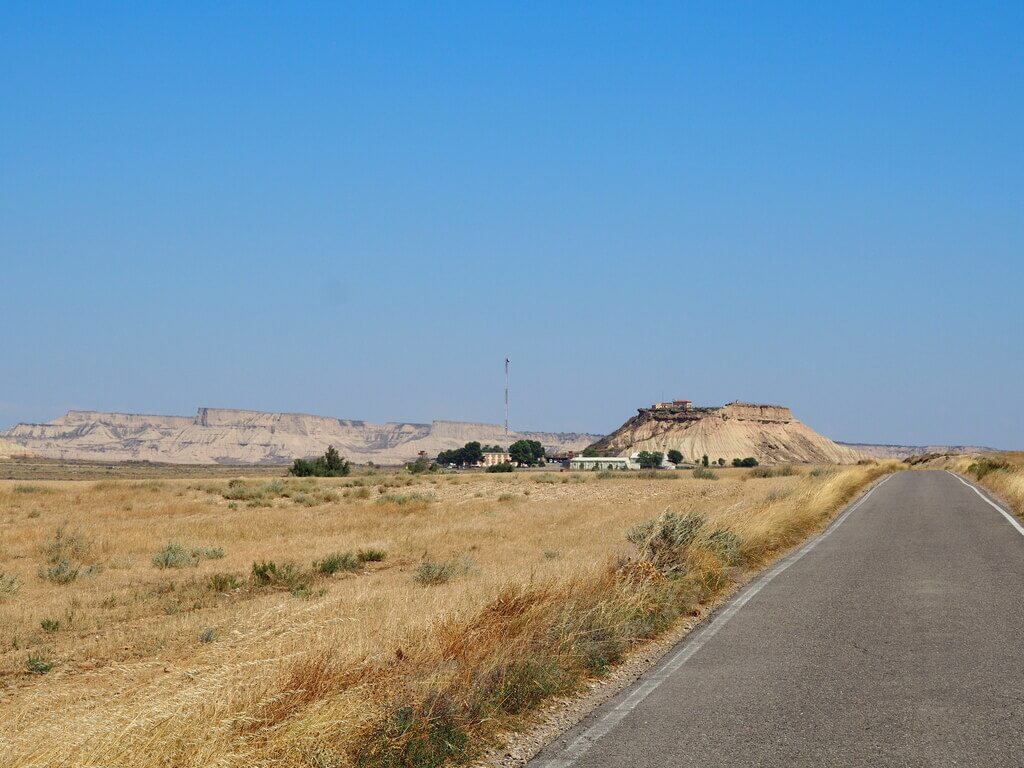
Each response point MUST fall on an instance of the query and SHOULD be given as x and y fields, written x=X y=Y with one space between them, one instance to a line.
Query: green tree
x=676 y=457
x=649 y=459
x=704 y=460
x=526 y=452
x=331 y=464
x=721 y=462
x=750 y=461
x=589 y=452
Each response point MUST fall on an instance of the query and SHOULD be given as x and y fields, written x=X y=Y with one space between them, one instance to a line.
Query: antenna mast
x=506 y=400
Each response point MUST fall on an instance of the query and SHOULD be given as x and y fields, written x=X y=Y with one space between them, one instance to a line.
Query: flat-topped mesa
x=233 y=436
x=755 y=412
x=769 y=433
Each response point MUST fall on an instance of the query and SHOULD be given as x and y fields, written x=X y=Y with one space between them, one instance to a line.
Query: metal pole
x=506 y=401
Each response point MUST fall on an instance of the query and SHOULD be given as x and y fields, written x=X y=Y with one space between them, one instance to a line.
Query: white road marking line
x=1013 y=521
x=582 y=743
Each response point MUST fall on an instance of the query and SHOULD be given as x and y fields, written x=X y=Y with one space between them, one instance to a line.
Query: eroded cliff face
x=226 y=436
x=769 y=433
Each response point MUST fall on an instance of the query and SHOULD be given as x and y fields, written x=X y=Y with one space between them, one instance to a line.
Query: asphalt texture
x=897 y=640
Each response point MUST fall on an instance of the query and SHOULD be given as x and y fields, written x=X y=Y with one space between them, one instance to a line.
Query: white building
x=613 y=462
x=602 y=462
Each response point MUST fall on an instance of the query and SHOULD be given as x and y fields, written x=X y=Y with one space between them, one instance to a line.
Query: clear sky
x=360 y=210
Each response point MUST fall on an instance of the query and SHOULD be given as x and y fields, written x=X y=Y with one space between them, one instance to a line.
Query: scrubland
x=389 y=620
x=1002 y=473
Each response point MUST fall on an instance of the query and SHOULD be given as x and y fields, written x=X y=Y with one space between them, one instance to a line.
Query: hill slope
x=769 y=433
x=224 y=436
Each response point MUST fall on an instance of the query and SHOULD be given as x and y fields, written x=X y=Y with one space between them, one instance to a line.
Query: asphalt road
x=897 y=639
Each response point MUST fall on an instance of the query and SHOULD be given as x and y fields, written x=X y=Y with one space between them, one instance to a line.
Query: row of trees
x=468 y=455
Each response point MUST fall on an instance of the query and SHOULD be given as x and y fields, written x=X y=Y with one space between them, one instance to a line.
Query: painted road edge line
x=1013 y=521
x=651 y=681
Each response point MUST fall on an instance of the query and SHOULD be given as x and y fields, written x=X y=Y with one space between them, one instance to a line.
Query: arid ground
x=379 y=619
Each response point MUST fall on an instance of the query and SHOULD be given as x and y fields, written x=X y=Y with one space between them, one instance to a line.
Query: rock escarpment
x=769 y=433
x=226 y=436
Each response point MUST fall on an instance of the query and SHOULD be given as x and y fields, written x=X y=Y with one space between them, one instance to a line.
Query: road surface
x=896 y=639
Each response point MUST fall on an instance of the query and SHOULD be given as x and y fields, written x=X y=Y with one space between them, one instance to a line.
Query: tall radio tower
x=506 y=400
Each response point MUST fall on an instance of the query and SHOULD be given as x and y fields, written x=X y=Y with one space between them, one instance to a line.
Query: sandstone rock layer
x=769 y=433
x=225 y=436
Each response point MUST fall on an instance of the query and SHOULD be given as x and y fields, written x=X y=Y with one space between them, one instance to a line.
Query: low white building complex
x=602 y=462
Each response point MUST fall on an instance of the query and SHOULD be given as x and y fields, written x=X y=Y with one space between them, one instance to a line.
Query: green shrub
x=657 y=474
x=176 y=556
x=208 y=635
x=38 y=665
x=431 y=572
x=750 y=461
x=287 y=575
x=338 y=561
x=676 y=457
x=502 y=467
x=371 y=555
x=49 y=625
x=224 y=582
x=703 y=473
x=60 y=572
x=23 y=488
x=662 y=541
x=9 y=585
x=726 y=545
x=984 y=466
x=402 y=499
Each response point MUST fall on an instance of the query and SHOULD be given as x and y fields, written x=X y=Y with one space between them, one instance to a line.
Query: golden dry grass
x=1004 y=476
x=153 y=667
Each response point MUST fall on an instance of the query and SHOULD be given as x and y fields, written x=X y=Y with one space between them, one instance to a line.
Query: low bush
x=338 y=561
x=38 y=665
x=49 y=625
x=208 y=635
x=985 y=465
x=174 y=555
x=403 y=499
x=658 y=474
x=287 y=575
x=9 y=585
x=371 y=555
x=224 y=582
x=431 y=572
x=502 y=467
x=60 y=572
x=703 y=473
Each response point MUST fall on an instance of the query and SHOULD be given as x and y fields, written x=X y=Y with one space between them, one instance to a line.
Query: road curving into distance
x=894 y=639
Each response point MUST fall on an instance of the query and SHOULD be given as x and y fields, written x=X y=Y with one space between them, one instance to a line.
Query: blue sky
x=360 y=210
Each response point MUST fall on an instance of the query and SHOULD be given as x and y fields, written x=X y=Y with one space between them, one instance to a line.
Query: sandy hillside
x=769 y=433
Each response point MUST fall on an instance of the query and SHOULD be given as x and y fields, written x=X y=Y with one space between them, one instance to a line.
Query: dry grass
x=1003 y=473
x=479 y=609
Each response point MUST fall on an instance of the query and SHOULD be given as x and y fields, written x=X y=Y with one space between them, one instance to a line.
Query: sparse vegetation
x=38 y=664
x=338 y=561
x=703 y=473
x=174 y=555
x=415 y=660
x=9 y=585
x=430 y=572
